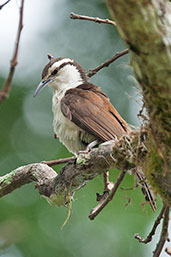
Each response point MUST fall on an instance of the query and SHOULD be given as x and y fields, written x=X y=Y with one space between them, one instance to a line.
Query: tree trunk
x=146 y=28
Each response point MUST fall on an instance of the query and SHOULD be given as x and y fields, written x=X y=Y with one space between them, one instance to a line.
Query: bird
x=82 y=112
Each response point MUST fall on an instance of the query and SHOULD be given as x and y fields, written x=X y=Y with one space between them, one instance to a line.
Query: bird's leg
x=90 y=146
x=107 y=184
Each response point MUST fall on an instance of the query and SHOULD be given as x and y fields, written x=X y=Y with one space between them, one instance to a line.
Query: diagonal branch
x=2 y=5
x=95 y=211
x=6 y=88
x=92 y=72
x=164 y=233
x=152 y=232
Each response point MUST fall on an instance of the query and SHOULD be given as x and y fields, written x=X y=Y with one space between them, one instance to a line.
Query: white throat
x=68 y=77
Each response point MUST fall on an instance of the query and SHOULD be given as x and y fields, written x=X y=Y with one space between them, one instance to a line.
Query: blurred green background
x=29 y=226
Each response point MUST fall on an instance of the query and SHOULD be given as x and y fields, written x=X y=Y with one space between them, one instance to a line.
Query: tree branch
x=74 y=175
x=164 y=233
x=38 y=172
x=6 y=88
x=95 y=211
x=75 y=16
x=92 y=72
x=152 y=232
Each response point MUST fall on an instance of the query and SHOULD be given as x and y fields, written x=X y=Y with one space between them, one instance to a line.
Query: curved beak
x=41 y=85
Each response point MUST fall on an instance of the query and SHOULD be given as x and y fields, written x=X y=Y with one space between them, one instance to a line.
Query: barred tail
x=148 y=194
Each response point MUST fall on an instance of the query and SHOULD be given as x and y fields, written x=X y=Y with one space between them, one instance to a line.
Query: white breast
x=66 y=130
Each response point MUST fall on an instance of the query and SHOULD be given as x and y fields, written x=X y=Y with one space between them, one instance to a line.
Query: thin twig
x=95 y=211
x=152 y=232
x=59 y=161
x=129 y=188
x=164 y=233
x=108 y=185
x=2 y=5
x=92 y=72
x=106 y=180
x=6 y=88
x=75 y=16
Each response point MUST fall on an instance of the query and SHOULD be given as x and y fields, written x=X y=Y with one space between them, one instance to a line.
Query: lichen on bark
x=146 y=27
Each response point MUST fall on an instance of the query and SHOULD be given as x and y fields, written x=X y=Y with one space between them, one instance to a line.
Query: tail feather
x=148 y=194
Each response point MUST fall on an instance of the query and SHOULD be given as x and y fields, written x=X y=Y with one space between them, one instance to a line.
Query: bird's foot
x=89 y=147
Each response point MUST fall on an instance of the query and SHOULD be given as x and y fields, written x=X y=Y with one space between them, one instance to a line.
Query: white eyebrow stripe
x=57 y=64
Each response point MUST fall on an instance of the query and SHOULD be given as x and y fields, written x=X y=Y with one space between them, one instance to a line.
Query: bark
x=59 y=189
x=145 y=26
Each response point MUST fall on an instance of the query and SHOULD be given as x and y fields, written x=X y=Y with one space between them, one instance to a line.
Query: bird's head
x=61 y=74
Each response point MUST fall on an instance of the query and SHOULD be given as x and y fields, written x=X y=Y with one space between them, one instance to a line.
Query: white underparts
x=68 y=133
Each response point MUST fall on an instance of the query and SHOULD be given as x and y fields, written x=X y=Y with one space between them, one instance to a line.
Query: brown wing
x=90 y=109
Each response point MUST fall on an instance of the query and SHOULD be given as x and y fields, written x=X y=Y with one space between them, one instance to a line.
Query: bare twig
x=59 y=161
x=75 y=16
x=164 y=233
x=6 y=88
x=92 y=72
x=140 y=114
x=152 y=232
x=128 y=201
x=95 y=211
x=106 y=180
x=2 y=5
x=129 y=188
x=107 y=184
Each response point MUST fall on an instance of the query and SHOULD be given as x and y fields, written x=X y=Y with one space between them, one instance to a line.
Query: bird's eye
x=54 y=72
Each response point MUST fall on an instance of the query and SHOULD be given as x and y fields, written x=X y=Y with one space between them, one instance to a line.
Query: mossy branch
x=59 y=188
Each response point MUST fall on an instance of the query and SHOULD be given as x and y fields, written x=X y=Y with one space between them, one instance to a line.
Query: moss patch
x=153 y=167
x=6 y=179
